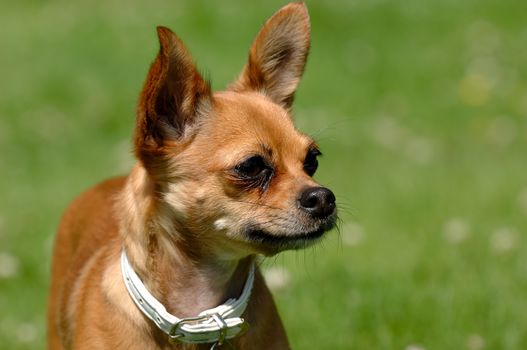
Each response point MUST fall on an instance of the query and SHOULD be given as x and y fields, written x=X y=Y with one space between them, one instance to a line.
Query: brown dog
x=220 y=178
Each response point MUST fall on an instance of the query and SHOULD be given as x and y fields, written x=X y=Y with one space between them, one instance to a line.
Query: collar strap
x=210 y=326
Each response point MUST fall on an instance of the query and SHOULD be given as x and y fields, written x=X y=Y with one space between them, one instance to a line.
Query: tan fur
x=183 y=214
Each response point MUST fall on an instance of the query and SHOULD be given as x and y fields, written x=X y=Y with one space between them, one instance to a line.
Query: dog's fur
x=220 y=178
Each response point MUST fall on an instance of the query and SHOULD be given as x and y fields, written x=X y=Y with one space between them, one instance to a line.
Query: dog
x=143 y=261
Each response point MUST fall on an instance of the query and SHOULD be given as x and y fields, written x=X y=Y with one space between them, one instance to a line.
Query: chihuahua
x=143 y=261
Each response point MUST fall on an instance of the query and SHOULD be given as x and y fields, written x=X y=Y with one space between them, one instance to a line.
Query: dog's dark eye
x=311 y=162
x=253 y=167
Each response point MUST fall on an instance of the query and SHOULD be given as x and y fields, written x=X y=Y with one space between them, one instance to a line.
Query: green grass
x=421 y=111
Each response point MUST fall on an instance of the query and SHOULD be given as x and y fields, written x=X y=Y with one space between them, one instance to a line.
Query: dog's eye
x=311 y=162
x=253 y=167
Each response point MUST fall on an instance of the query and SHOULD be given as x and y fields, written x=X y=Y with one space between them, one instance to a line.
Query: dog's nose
x=319 y=202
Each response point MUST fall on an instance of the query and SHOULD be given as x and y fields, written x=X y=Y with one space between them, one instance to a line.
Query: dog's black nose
x=319 y=202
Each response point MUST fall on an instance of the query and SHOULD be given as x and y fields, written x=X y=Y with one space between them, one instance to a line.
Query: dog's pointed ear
x=278 y=56
x=172 y=98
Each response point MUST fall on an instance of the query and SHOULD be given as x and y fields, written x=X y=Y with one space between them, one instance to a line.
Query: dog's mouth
x=290 y=240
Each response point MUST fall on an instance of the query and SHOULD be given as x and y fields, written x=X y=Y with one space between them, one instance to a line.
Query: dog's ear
x=278 y=56
x=172 y=98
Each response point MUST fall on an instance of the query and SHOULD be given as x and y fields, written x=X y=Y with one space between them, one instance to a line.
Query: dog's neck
x=177 y=273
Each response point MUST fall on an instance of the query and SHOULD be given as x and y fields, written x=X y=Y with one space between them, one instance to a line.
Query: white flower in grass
x=475 y=89
x=26 y=333
x=483 y=38
x=415 y=347
x=352 y=234
x=522 y=200
x=9 y=265
x=419 y=150
x=388 y=132
x=502 y=131
x=503 y=240
x=487 y=65
x=456 y=230
x=354 y=298
x=276 y=278
x=475 y=342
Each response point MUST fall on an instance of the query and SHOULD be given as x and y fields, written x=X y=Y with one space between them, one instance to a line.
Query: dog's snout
x=317 y=201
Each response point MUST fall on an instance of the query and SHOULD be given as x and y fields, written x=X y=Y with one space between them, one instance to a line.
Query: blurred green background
x=421 y=111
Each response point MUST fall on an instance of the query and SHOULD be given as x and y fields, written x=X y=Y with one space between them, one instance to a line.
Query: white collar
x=210 y=326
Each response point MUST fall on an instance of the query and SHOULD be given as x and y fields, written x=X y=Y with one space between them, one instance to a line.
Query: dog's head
x=230 y=169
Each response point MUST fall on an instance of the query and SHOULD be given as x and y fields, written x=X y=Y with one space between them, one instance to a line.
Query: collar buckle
x=223 y=327
x=177 y=335
x=174 y=336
